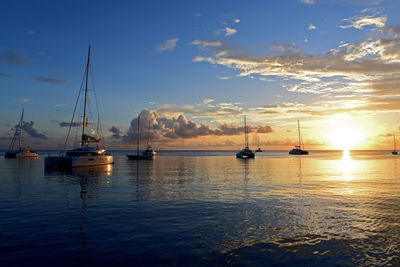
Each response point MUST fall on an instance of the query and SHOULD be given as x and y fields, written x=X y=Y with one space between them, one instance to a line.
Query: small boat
x=148 y=153
x=298 y=149
x=259 y=150
x=85 y=155
x=394 y=152
x=246 y=153
x=22 y=152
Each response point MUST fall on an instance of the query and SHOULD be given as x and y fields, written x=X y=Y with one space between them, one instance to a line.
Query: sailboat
x=299 y=149
x=22 y=152
x=246 y=152
x=148 y=153
x=85 y=155
x=394 y=152
x=259 y=148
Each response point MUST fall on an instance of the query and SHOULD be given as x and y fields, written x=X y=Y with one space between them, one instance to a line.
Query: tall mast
x=246 y=138
x=84 y=109
x=138 y=135
x=20 y=128
x=148 y=135
x=298 y=129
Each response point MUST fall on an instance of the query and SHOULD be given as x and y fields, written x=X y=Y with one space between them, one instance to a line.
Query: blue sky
x=203 y=60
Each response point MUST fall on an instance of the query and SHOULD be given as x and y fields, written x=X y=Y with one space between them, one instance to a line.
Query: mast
x=20 y=129
x=246 y=138
x=83 y=143
x=298 y=129
x=138 y=135
x=148 y=135
x=394 y=142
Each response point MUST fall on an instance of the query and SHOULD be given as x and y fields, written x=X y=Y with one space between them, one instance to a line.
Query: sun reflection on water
x=346 y=165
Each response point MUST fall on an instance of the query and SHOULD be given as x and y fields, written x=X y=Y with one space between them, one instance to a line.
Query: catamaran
x=394 y=152
x=148 y=153
x=86 y=154
x=22 y=152
x=298 y=149
x=246 y=152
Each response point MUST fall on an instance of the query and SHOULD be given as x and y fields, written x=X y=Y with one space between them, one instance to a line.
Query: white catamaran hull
x=23 y=154
x=91 y=161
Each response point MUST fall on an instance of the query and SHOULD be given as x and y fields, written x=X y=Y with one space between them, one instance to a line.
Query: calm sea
x=196 y=208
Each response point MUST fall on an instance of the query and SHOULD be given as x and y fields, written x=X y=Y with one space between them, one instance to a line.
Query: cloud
x=25 y=100
x=167 y=45
x=12 y=57
x=229 y=31
x=48 y=80
x=164 y=129
x=308 y=2
x=5 y=75
x=116 y=132
x=74 y=124
x=224 y=77
x=237 y=20
x=58 y=105
x=385 y=135
x=361 y=22
x=27 y=127
x=205 y=43
x=311 y=27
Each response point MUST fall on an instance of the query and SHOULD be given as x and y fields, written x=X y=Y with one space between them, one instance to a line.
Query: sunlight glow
x=346 y=137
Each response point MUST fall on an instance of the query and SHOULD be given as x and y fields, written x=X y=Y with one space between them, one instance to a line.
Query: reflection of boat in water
x=22 y=152
x=394 y=152
x=246 y=153
x=298 y=149
x=85 y=155
x=148 y=153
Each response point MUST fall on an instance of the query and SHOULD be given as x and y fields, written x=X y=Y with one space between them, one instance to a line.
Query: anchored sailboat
x=246 y=152
x=148 y=153
x=85 y=155
x=299 y=149
x=22 y=152
x=394 y=152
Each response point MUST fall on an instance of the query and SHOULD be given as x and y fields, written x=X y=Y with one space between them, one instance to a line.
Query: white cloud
x=25 y=100
x=205 y=43
x=308 y=2
x=167 y=45
x=58 y=105
x=237 y=20
x=311 y=27
x=305 y=39
x=361 y=22
x=229 y=31
x=224 y=77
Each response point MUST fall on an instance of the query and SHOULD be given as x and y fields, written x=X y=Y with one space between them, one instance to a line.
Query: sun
x=346 y=137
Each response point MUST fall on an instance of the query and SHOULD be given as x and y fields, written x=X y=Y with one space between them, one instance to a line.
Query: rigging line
x=98 y=113
x=73 y=114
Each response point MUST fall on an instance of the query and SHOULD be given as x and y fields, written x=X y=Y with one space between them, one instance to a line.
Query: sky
x=194 y=69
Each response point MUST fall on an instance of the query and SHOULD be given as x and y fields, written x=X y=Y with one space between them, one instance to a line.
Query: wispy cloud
x=168 y=45
x=205 y=43
x=12 y=57
x=224 y=77
x=363 y=21
x=25 y=100
x=5 y=75
x=58 y=105
x=229 y=31
x=308 y=2
x=311 y=27
x=48 y=80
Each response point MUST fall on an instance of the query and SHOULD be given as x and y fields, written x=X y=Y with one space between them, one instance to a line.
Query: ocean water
x=204 y=208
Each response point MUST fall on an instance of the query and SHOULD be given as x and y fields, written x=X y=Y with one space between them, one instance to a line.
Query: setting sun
x=346 y=137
